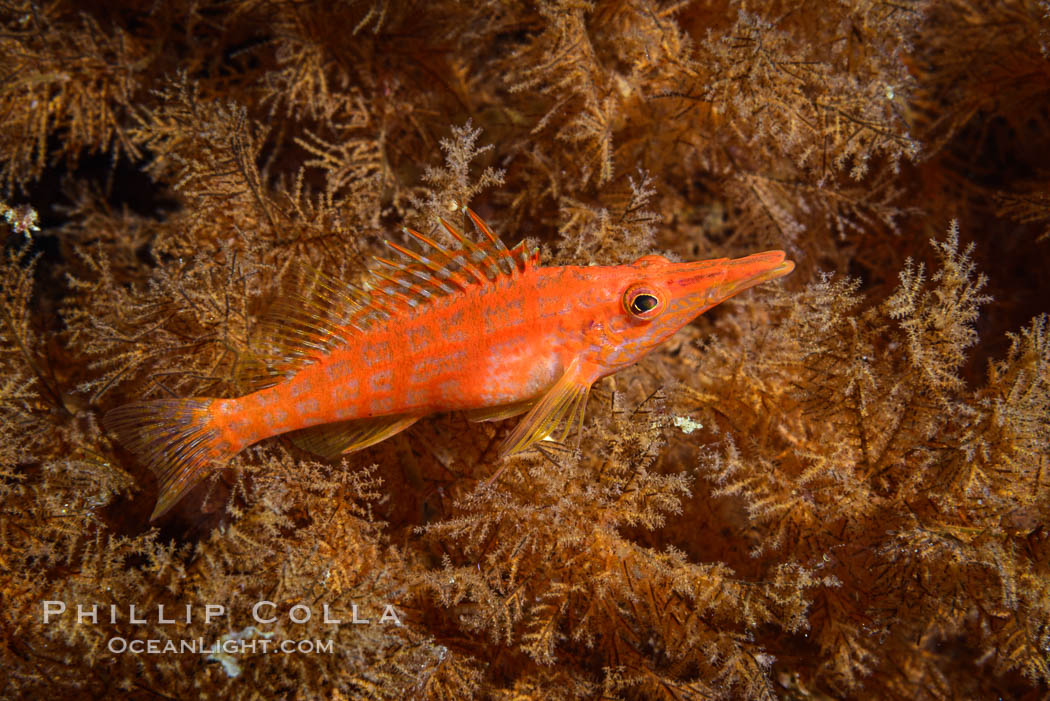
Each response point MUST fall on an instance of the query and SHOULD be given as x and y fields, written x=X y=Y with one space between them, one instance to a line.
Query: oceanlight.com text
x=154 y=646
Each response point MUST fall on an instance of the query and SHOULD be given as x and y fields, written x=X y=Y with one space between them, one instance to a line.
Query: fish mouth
x=745 y=273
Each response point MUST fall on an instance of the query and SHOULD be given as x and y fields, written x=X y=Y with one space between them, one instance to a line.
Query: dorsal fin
x=314 y=313
x=437 y=271
x=514 y=262
x=319 y=313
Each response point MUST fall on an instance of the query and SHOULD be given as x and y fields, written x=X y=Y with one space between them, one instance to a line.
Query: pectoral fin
x=564 y=403
x=332 y=440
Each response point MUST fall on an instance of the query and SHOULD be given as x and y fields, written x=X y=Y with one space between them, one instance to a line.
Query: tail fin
x=176 y=438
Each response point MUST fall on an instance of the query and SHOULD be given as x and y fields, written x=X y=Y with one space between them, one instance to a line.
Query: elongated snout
x=744 y=273
x=712 y=281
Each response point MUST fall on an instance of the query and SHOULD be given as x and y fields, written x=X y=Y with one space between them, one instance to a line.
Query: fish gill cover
x=834 y=486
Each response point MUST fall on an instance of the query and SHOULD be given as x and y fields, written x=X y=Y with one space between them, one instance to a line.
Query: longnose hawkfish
x=475 y=327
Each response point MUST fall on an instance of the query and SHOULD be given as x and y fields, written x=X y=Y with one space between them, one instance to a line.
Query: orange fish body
x=480 y=328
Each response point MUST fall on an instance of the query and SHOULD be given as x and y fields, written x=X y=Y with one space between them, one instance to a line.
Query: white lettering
x=259 y=605
x=389 y=614
x=291 y=613
x=81 y=614
x=56 y=608
x=212 y=611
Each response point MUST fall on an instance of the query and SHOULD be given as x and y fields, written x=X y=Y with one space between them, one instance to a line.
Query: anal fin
x=332 y=440
x=501 y=411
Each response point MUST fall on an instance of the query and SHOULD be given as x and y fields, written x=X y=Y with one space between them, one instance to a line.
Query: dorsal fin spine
x=395 y=283
x=321 y=317
x=424 y=277
x=496 y=241
x=440 y=272
x=475 y=253
x=455 y=278
x=395 y=266
x=427 y=241
x=413 y=288
x=309 y=338
x=460 y=238
x=486 y=262
x=479 y=276
x=350 y=300
x=521 y=256
x=309 y=325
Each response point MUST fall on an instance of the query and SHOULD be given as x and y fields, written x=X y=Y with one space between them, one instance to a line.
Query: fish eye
x=642 y=302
